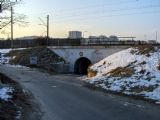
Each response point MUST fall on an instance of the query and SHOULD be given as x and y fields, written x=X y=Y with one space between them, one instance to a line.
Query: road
x=63 y=97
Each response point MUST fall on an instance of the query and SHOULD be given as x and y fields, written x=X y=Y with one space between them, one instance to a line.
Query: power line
x=71 y=10
x=46 y=24
x=100 y=5
x=110 y=11
x=107 y=16
x=78 y=15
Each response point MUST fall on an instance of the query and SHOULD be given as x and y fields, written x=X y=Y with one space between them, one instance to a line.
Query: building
x=152 y=41
x=75 y=34
x=113 y=38
x=103 y=38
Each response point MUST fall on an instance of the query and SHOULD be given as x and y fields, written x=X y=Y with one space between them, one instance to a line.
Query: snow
x=4 y=93
x=4 y=51
x=4 y=59
x=145 y=84
x=19 y=114
x=153 y=95
x=114 y=61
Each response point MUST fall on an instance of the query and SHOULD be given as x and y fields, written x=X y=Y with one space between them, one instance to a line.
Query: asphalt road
x=62 y=97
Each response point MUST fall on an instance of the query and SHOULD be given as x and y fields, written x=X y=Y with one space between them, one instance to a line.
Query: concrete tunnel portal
x=81 y=65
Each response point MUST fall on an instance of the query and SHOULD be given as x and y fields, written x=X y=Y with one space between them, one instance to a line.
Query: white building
x=113 y=38
x=75 y=34
x=101 y=38
x=152 y=41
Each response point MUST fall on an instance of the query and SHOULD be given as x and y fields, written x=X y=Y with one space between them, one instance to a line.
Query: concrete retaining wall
x=60 y=68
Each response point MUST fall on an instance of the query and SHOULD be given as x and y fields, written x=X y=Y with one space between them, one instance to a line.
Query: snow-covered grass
x=5 y=59
x=4 y=93
x=143 y=80
x=4 y=51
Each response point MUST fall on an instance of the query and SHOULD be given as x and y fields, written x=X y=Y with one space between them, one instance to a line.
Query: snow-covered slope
x=135 y=71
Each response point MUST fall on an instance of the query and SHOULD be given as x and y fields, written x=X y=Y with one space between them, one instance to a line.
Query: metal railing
x=67 y=42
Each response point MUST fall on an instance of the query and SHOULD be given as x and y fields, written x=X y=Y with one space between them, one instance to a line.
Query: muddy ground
x=22 y=106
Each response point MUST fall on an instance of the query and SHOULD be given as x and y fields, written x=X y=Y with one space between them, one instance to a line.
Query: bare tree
x=5 y=14
x=6 y=4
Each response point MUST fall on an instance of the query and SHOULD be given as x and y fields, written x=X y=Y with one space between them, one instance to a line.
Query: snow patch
x=4 y=93
x=4 y=59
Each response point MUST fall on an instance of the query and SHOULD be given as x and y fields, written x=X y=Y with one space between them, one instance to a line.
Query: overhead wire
x=80 y=15
x=98 y=14
x=110 y=11
x=94 y=6
x=71 y=10
x=108 y=16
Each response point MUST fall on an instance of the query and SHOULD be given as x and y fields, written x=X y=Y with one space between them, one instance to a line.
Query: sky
x=137 y=18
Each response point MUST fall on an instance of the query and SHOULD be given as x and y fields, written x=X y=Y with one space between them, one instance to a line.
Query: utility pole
x=12 y=27
x=47 y=30
x=46 y=25
x=156 y=36
x=0 y=6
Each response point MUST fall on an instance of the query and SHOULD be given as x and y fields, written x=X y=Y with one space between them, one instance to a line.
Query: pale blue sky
x=110 y=17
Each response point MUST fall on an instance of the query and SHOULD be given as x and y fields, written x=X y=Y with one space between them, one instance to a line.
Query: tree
x=5 y=14
x=6 y=4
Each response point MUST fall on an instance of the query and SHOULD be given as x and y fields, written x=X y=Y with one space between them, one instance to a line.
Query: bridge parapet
x=89 y=47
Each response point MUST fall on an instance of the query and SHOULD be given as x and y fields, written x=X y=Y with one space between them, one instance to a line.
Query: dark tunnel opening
x=81 y=66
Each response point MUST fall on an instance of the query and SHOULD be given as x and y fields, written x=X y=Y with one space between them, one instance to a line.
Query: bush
x=121 y=72
x=91 y=73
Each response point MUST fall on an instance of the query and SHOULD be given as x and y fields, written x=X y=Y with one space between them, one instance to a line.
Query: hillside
x=135 y=72
x=45 y=57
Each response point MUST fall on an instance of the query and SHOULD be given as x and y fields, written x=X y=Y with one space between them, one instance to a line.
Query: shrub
x=121 y=72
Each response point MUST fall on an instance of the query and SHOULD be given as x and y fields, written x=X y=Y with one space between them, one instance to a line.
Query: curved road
x=63 y=97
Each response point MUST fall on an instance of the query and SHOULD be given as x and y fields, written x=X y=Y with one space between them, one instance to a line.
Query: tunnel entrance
x=81 y=65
